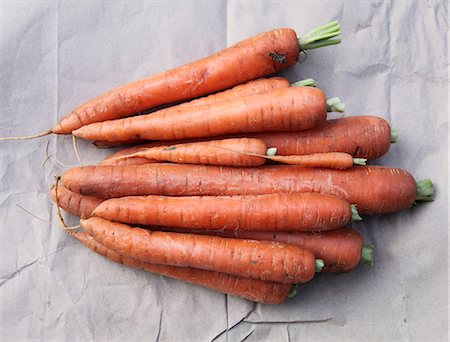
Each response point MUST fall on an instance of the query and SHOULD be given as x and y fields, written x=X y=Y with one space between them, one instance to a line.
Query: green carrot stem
x=271 y=151
x=367 y=255
x=359 y=161
x=319 y=264
x=394 y=136
x=309 y=82
x=320 y=36
x=293 y=291
x=355 y=214
x=425 y=190
x=334 y=104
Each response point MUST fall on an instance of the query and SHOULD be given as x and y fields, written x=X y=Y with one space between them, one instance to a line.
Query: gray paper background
x=393 y=62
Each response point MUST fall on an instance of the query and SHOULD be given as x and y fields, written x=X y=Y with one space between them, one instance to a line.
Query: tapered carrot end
x=367 y=255
x=425 y=191
x=67 y=124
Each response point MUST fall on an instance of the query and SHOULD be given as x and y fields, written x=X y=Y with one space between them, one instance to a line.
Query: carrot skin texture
x=228 y=152
x=361 y=136
x=286 y=109
x=340 y=249
x=278 y=212
x=74 y=203
x=264 y=260
x=251 y=289
x=244 y=61
x=374 y=189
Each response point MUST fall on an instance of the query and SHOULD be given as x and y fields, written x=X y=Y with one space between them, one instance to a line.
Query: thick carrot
x=251 y=289
x=280 y=212
x=74 y=203
x=286 y=109
x=340 y=249
x=228 y=152
x=264 y=260
x=361 y=136
x=257 y=56
x=374 y=189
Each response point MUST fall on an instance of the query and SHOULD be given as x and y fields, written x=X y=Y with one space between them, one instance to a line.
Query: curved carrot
x=280 y=212
x=286 y=109
x=374 y=189
x=74 y=203
x=228 y=152
x=251 y=289
x=264 y=260
x=257 y=56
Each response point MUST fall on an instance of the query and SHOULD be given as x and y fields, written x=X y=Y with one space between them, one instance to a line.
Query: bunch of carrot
x=246 y=191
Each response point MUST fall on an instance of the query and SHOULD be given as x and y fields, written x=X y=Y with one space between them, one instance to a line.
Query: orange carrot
x=257 y=56
x=340 y=249
x=251 y=289
x=286 y=109
x=280 y=212
x=74 y=203
x=361 y=136
x=228 y=152
x=374 y=189
x=264 y=260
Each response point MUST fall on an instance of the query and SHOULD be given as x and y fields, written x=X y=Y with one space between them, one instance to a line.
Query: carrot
x=231 y=152
x=264 y=260
x=280 y=212
x=374 y=189
x=251 y=289
x=361 y=136
x=286 y=109
x=340 y=249
x=74 y=203
x=257 y=56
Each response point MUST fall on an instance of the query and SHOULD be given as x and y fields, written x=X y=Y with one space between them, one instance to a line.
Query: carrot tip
x=394 y=136
x=367 y=255
x=318 y=265
x=355 y=214
x=293 y=291
x=271 y=151
x=425 y=190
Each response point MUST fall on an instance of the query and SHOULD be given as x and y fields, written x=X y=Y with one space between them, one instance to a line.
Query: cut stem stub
x=367 y=255
x=355 y=214
x=425 y=190
x=320 y=36
x=334 y=104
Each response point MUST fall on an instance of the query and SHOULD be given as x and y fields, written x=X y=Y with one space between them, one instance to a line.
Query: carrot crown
x=394 y=136
x=320 y=36
x=319 y=264
x=425 y=191
x=355 y=214
x=367 y=255
x=308 y=82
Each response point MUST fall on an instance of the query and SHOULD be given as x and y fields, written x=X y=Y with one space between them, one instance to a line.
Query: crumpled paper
x=392 y=62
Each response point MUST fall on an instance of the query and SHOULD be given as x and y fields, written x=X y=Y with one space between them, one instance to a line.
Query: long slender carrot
x=286 y=109
x=232 y=152
x=251 y=289
x=280 y=212
x=374 y=189
x=74 y=203
x=254 y=57
x=228 y=152
x=264 y=260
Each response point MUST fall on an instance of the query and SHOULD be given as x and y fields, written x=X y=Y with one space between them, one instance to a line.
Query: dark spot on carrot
x=278 y=57
x=169 y=148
